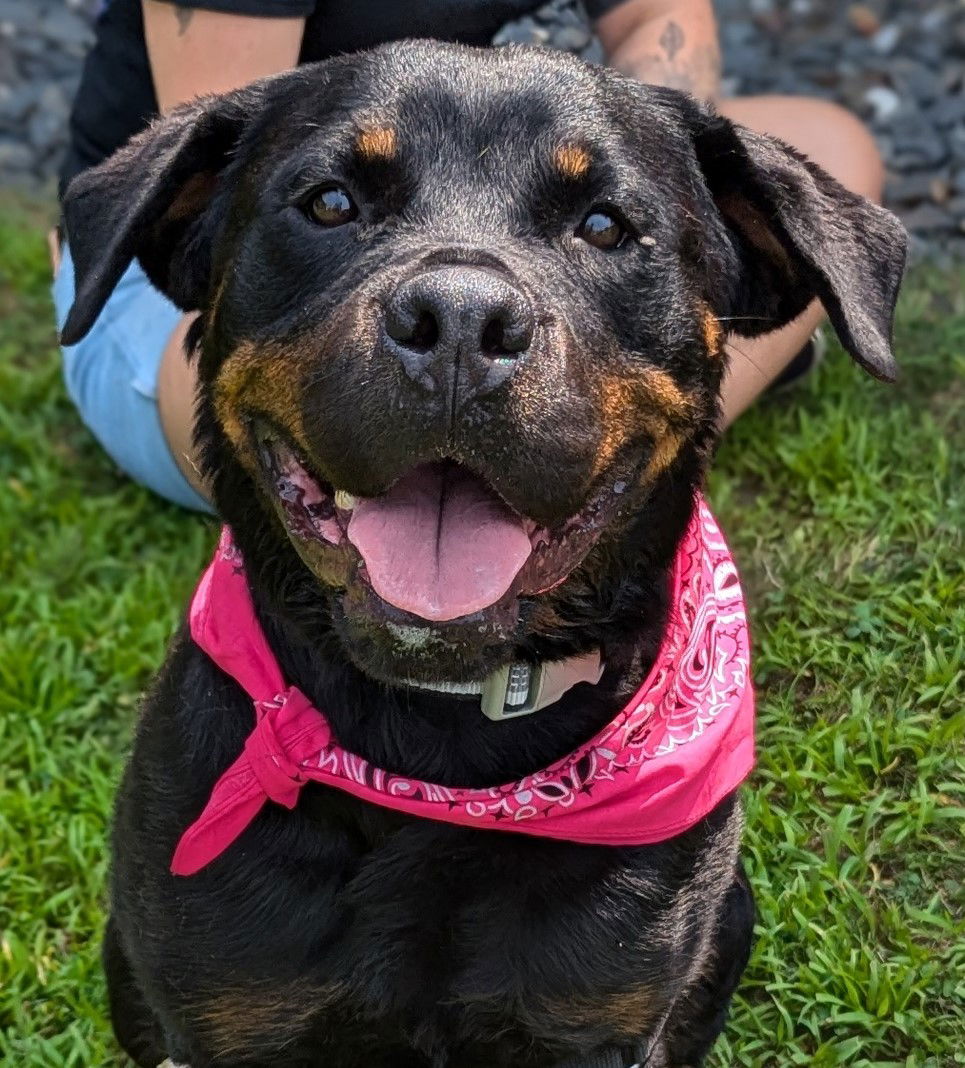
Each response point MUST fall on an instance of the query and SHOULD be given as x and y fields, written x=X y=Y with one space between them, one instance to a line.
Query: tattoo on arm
x=672 y=40
x=184 y=16
x=671 y=59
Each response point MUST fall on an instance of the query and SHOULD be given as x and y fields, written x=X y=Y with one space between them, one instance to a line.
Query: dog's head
x=462 y=324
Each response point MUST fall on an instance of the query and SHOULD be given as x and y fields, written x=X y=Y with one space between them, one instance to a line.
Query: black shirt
x=116 y=97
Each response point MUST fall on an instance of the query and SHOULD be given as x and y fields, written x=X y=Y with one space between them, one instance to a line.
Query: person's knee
x=830 y=135
x=848 y=152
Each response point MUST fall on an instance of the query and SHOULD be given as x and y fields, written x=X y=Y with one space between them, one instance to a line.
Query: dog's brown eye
x=601 y=230
x=332 y=207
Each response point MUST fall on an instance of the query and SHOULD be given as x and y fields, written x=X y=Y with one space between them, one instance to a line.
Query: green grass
x=844 y=504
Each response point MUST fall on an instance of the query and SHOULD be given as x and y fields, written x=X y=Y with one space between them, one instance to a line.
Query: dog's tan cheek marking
x=572 y=161
x=673 y=403
x=652 y=402
x=664 y=453
x=377 y=143
x=259 y=378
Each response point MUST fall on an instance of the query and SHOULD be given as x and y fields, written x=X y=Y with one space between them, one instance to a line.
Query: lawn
x=844 y=503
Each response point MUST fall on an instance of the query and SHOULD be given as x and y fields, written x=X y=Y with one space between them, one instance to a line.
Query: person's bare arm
x=193 y=51
x=665 y=42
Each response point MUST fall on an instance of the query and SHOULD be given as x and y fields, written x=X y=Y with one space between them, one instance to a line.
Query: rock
x=948 y=111
x=912 y=80
x=917 y=147
x=884 y=102
x=956 y=141
x=17 y=103
x=958 y=39
x=886 y=39
x=18 y=13
x=31 y=46
x=771 y=21
x=940 y=190
x=48 y=125
x=15 y=157
x=593 y=53
x=958 y=182
x=68 y=31
x=523 y=31
x=8 y=63
x=88 y=8
x=934 y=19
x=929 y=219
x=863 y=19
x=915 y=187
x=570 y=38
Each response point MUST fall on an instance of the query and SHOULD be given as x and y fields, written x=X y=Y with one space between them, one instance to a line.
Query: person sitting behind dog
x=130 y=377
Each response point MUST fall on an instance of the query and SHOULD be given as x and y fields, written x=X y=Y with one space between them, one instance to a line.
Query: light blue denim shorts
x=111 y=376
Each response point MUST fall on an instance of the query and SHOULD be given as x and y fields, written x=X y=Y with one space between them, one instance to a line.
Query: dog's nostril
x=415 y=328
x=500 y=339
x=425 y=333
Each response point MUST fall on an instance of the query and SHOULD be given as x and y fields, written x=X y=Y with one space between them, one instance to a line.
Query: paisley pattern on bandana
x=682 y=743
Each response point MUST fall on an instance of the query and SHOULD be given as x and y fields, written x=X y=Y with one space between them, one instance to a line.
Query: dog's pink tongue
x=439 y=544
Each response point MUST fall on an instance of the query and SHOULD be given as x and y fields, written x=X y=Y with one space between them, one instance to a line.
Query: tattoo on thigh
x=672 y=40
x=184 y=16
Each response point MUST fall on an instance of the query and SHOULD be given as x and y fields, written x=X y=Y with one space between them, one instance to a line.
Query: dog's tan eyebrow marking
x=572 y=161
x=377 y=143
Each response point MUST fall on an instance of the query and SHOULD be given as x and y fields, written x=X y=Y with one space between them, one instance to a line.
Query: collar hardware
x=518 y=689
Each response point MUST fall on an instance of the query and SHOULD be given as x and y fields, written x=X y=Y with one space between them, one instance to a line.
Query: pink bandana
x=683 y=742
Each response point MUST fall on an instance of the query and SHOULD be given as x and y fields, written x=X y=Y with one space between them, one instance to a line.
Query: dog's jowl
x=441 y=770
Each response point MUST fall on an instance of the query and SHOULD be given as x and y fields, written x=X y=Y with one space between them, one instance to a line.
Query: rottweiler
x=460 y=346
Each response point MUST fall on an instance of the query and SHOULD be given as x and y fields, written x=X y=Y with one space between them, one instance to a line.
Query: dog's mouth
x=440 y=544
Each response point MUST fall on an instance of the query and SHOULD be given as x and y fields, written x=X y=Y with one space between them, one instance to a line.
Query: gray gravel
x=900 y=64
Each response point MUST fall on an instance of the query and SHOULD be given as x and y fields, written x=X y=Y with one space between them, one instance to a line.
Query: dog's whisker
x=744 y=318
x=740 y=352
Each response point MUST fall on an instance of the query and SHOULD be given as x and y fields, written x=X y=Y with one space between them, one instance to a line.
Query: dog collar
x=683 y=742
x=519 y=689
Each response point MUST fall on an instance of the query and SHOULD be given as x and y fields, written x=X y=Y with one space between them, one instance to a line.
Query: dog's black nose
x=458 y=327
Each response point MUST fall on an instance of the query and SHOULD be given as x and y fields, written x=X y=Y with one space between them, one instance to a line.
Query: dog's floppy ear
x=801 y=234
x=149 y=200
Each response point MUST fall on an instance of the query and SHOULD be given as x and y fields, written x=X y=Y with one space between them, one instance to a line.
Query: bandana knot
x=274 y=747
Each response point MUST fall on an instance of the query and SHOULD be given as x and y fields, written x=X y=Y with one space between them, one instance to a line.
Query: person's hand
x=665 y=42
x=194 y=52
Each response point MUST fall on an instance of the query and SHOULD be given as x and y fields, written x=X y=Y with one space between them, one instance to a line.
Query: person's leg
x=112 y=376
x=836 y=141
x=176 y=388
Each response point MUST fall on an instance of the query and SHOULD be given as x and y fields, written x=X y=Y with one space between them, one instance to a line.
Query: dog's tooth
x=345 y=501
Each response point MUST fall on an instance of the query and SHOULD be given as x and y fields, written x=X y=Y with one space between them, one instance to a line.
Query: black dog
x=500 y=266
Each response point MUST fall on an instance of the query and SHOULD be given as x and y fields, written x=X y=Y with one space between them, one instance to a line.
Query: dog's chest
x=448 y=940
